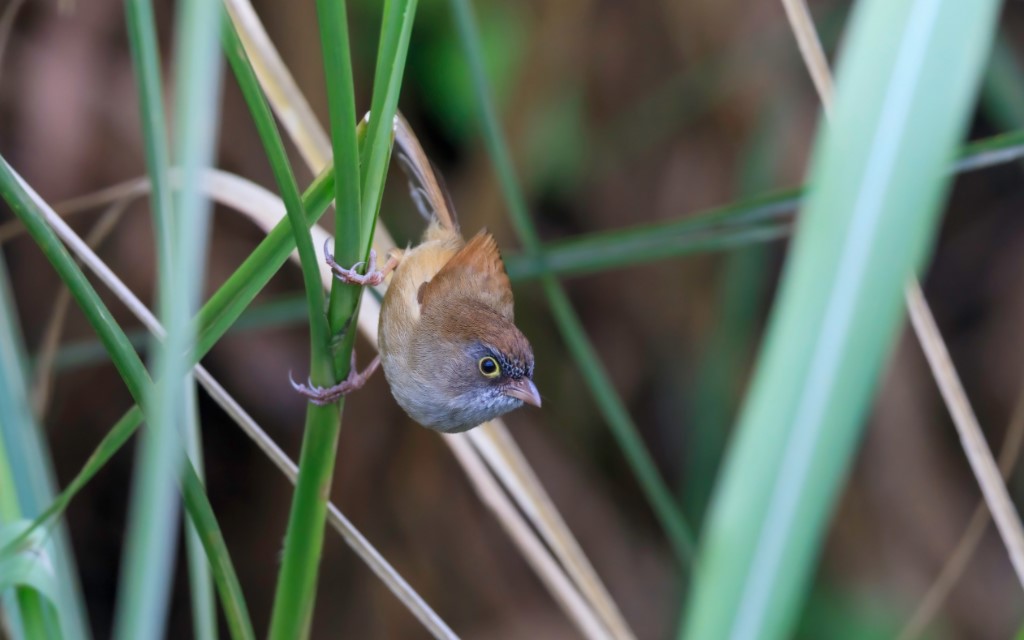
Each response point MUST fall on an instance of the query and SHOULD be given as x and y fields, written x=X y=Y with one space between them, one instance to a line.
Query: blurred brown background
x=618 y=114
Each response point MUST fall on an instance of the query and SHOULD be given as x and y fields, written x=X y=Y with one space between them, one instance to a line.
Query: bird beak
x=525 y=390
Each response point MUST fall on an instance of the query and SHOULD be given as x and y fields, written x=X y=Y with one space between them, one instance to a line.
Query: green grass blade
x=759 y=219
x=321 y=368
x=341 y=101
x=231 y=299
x=204 y=605
x=27 y=588
x=296 y=584
x=605 y=251
x=147 y=567
x=122 y=354
x=293 y=603
x=590 y=366
x=142 y=37
x=23 y=567
x=118 y=435
x=295 y=596
x=396 y=29
x=145 y=53
x=208 y=531
x=907 y=80
x=296 y=588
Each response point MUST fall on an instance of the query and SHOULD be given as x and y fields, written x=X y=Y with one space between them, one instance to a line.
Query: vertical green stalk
x=907 y=82
x=296 y=582
x=396 y=30
x=296 y=589
x=588 y=362
x=204 y=607
x=341 y=102
x=146 y=58
x=145 y=52
x=296 y=585
x=147 y=567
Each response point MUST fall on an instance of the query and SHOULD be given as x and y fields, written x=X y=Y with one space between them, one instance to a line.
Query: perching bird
x=451 y=353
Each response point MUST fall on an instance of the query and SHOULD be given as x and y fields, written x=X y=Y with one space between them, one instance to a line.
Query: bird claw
x=372 y=277
x=321 y=396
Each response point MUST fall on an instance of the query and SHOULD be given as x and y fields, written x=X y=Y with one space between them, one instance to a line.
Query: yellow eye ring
x=489 y=367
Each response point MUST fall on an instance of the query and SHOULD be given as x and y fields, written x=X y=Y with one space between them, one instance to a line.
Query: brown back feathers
x=477 y=272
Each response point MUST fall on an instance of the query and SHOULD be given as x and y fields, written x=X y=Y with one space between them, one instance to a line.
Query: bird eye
x=489 y=367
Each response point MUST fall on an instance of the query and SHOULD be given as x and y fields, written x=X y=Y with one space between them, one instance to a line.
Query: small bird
x=451 y=352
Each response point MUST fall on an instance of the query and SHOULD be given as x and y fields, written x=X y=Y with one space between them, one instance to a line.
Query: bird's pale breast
x=399 y=320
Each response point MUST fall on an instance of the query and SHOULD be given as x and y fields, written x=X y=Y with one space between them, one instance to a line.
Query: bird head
x=489 y=371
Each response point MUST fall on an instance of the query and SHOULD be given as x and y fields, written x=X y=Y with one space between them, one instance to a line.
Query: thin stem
x=146 y=571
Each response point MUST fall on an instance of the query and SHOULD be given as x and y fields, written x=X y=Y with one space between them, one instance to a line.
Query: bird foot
x=372 y=277
x=326 y=395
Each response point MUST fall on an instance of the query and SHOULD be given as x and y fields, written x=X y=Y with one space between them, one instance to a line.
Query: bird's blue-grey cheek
x=499 y=404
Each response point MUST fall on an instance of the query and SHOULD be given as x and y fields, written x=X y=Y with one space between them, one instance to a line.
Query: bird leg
x=326 y=395
x=372 y=277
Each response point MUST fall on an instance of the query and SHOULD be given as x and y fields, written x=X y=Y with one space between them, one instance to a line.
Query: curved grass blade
x=27 y=598
x=28 y=565
x=27 y=581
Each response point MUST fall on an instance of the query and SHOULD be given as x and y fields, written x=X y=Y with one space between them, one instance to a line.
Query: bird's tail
x=425 y=184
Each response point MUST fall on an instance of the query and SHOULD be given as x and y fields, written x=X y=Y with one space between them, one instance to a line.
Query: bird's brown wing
x=425 y=184
x=475 y=271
